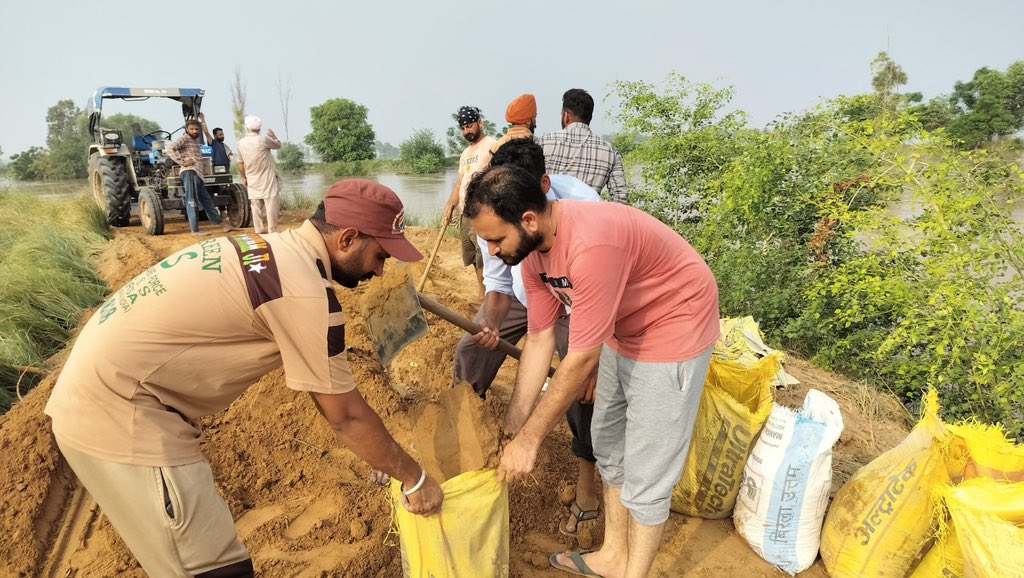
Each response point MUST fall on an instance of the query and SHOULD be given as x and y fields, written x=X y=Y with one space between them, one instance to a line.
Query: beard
x=527 y=244
x=471 y=137
x=344 y=276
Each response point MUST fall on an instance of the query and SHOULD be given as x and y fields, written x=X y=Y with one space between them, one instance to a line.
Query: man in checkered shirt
x=578 y=152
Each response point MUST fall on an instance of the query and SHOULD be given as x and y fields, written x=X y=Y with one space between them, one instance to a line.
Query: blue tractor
x=142 y=173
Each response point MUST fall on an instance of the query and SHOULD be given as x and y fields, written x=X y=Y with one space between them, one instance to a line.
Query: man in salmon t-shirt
x=644 y=306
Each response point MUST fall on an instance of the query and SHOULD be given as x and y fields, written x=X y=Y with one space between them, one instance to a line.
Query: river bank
x=296 y=495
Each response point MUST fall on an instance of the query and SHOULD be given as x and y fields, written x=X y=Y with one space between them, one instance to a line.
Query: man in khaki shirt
x=187 y=337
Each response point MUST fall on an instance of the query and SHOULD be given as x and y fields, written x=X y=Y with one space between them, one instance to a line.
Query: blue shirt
x=509 y=280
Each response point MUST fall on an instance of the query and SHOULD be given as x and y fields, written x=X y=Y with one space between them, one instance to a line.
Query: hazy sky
x=414 y=63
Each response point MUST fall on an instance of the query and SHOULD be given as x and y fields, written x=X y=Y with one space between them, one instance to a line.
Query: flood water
x=424 y=196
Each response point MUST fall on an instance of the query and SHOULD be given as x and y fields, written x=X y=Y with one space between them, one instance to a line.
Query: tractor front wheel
x=151 y=212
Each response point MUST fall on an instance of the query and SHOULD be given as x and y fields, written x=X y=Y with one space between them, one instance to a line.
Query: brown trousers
x=479 y=366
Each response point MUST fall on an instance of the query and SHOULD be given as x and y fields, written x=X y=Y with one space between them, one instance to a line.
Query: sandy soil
x=304 y=505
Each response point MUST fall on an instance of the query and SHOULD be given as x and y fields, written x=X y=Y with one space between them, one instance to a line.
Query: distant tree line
x=977 y=112
x=982 y=110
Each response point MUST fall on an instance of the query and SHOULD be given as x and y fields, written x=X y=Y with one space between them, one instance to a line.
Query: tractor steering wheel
x=156 y=135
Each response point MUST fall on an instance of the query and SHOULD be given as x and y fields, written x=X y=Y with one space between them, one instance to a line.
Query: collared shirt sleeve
x=310 y=333
x=497 y=275
x=174 y=151
x=544 y=308
x=617 y=181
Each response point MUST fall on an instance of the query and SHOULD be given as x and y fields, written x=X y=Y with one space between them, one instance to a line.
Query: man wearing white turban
x=258 y=168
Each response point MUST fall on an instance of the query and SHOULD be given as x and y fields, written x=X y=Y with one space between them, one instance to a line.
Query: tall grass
x=301 y=201
x=47 y=280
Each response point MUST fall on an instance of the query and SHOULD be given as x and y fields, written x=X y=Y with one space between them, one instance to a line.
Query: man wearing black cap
x=476 y=156
x=152 y=372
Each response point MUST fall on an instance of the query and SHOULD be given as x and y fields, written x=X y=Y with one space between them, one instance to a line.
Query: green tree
x=938 y=112
x=67 y=141
x=988 y=106
x=290 y=158
x=624 y=142
x=238 y=97
x=887 y=77
x=386 y=151
x=422 y=152
x=341 y=131
x=126 y=123
x=28 y=165
x=683 y=137
x=456 y=143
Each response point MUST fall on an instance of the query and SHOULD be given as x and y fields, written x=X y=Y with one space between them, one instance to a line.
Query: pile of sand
x=454 y=435
x=305 y=507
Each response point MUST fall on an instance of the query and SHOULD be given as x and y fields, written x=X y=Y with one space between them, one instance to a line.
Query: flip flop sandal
x=581 y=515
x=579 y=567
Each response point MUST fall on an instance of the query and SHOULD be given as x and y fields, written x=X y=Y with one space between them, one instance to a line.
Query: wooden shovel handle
x=468 y=326
x=433 y=254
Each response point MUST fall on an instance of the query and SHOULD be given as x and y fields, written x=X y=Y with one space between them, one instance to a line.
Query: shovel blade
x=393 y=314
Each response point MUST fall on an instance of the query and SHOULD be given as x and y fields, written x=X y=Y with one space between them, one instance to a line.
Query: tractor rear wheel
x=111 y=189
x=239 y=214
x=151 y=213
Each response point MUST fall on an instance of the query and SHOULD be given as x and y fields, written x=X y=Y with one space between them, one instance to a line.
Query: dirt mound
x=455 y=434
x=304 y=506
x=124 y=257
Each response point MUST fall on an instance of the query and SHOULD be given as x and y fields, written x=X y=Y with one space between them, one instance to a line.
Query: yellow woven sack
x=989 y=520
x=975 y=451
x=469 y=537
x=733 y=409
x=988 y=454
x=881 y=519
x=944 y=560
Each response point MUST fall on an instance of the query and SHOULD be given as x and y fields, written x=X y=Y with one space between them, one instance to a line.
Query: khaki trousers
x=172 y=518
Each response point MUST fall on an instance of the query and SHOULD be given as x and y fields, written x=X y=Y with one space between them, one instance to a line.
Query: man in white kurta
x=258 y=168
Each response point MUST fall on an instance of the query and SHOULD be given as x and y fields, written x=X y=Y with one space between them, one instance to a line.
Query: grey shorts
x=642 y=427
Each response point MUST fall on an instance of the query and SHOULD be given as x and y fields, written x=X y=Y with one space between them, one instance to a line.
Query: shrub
x=797 y=223
x=422 y=153
x=290 y=158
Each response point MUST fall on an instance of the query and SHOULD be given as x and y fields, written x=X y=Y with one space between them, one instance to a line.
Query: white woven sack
x=784 y=493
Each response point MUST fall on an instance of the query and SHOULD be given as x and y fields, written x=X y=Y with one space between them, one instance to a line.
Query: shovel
x=393 y=310
x=433 y=254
